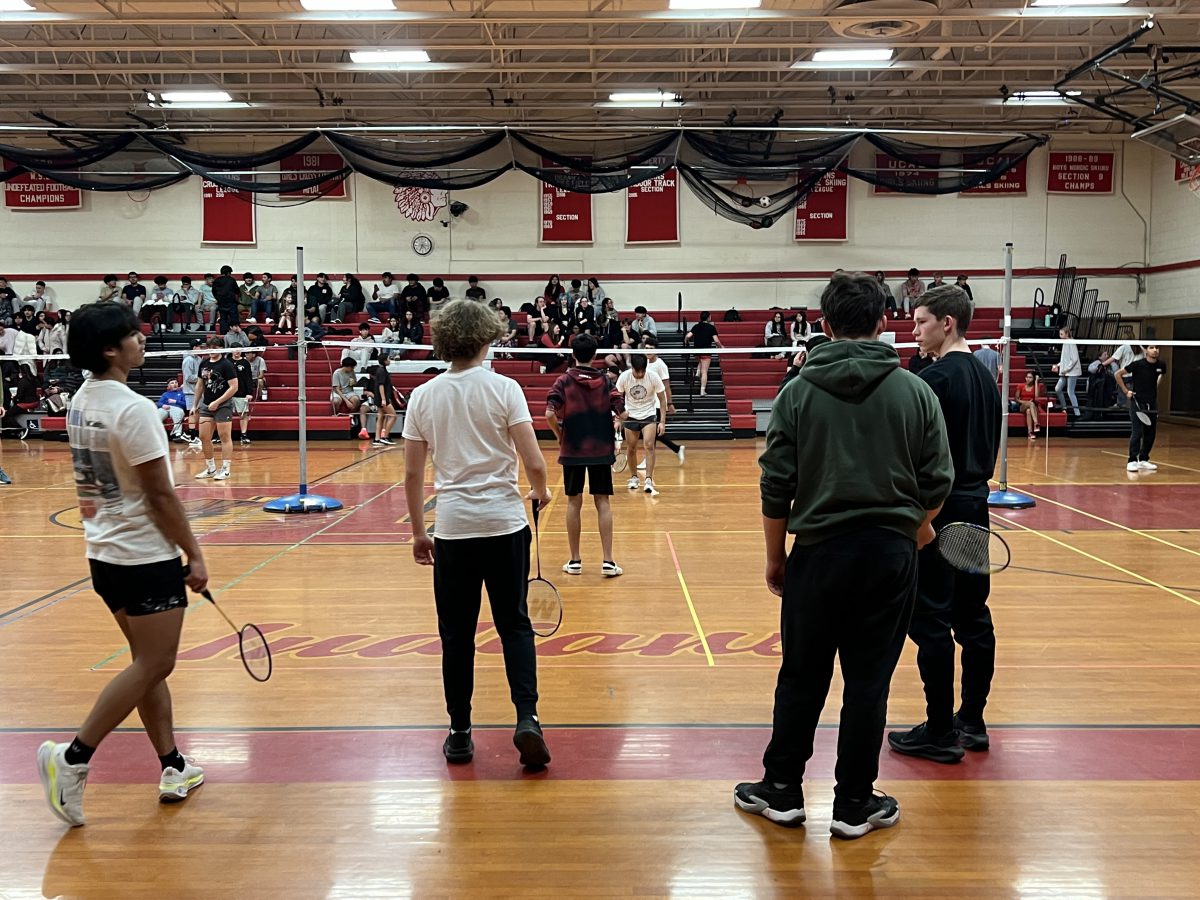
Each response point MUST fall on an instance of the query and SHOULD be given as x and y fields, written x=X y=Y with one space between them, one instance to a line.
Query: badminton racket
x=542 y=598
x=973 y=549
x=1139 y=410
x=252 y=644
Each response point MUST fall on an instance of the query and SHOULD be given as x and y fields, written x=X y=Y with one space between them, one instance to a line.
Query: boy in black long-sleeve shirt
x=952 y=605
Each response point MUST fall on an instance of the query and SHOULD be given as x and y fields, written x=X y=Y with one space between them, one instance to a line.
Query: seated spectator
x=889 y=297
x=44 y=328
x=318 y=298
x=108 y=289
x=961 y=282
x=391 y=331
x=156 y=306
x=254 y=334
x=8 y=301
x=384 y=297
x=314 y=331
x=247 y=294
x=608 y=308
x=609 y=336
x=437 y=295
x=799 y=329
x=776 y=334
x=920 y=360
x=183 y=305
x=173 y=405
x=286 y=323
x=911 y=291
x=61 y=382
x=575 y=294
x=583 y=315
x=474 y=291
x=58 y=334
x=414 y=296
x=412 y=329
x=208 y=302
x=538 y=319
x=42 y=299
x=508 y=336
x=235 y=337
x=264 y=307
x=938 y=281
x=553 y=339
x=363 y=350
x=596 y=294
x=642 y=323
x=258 y=373
x=133 y=294
x=497 y=304
x=24 y=320
x=351 y=298
x=554 y=290
x=346 y=396
x=1029 y=398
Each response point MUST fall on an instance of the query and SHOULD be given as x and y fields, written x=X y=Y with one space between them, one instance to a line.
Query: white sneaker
x=573 y=567
x=1147 y=466
x=1132 y=467
x=174 y=785
x=642 y=466
x=634 y=484
x=611 y=570
x=208 y=473
x=63 y=784
x=650 y=488
x=222 y=475
x=681 y=452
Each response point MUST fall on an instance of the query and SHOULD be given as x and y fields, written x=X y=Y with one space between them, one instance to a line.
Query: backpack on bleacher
x=732 y=315
x=27 y=387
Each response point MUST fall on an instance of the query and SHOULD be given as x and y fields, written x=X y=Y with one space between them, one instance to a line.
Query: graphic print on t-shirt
x=95 y=479
x=216 y=376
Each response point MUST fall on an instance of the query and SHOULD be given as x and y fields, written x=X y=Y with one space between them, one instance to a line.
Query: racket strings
x=972 y=548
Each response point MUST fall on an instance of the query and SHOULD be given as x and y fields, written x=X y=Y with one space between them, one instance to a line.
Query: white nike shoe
x=222 y=475
x=681 y=453
x=207 y=473
x=650 y=488
x=642 y=466
x=1147 y=466
x=1132 y=467
x=175 y=785
x=63 y=783
x=634 y=484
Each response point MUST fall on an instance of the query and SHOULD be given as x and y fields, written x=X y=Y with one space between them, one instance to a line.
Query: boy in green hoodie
x=856 y=467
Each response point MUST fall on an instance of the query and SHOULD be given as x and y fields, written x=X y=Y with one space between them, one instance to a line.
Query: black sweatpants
x=460 y=570
x=668 y=443
x=952 y=606
x=852 y=597
x=1141 y=438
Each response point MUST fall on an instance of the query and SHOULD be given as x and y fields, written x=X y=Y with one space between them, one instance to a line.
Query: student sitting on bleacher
x=509 y=336
x=172 y=405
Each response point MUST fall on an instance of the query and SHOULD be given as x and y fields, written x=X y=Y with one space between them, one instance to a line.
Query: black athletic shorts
x=599 y=479
x=140 y=590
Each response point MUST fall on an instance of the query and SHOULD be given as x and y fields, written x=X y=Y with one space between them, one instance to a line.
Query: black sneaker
x=245 y=442
x=971 y=735
x=458 y=747
x=528 y=739
x=854 y=819
x=919 y=742
x=783 y=806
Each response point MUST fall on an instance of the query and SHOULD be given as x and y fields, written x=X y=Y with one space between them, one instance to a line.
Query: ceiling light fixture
x=1042 y=98
x=1045 y=3
x=389 y=56
x=183 y=95
x=840 y=55
x=643 y=97
x=347 y=5
x=714 y=4
x=15 y=6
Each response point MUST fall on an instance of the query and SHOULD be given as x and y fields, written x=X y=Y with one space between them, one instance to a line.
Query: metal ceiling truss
x=525 y=62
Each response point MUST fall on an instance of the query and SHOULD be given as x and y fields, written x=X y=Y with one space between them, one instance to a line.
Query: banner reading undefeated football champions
x=652 y=210
x=822 y=214
x=33 y=191
x=227 y=215
x=566 y=216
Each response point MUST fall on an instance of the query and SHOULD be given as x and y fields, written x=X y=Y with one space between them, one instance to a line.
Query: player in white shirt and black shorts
x=476 y=424
x=659 y=367
x=216 y=386
x=134 y=528
x=645 y=415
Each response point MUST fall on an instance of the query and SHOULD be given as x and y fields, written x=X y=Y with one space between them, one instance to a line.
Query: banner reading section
x=566 y=216
x=822 y=214
x=1080 y=172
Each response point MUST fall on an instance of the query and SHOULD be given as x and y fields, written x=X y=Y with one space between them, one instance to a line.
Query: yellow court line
x=1136 y=531
x=1160 y=465
x=1103 y=562
x=687 y=595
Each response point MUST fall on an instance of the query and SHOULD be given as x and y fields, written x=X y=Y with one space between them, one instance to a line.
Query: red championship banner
x=32 y=191
x=1076 y=172
x=566 y=216
x=922 y=177
x=305 y=166
x=1011 y=182
x=822 y=214
x=1183 y=171
x=652 y=210
x=227 y=215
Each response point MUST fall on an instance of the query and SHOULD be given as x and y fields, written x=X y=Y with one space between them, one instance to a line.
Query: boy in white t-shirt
x=383 y=298
x=476 y=424
x=659 y=367
x=645 y=415
x=134 y=527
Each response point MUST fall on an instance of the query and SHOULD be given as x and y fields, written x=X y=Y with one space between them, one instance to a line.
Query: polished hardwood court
x=656 y=696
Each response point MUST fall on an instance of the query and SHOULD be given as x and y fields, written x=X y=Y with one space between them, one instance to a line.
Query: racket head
x=1139 y=410
x=255 y=652
x=620 y=461
x=545 y=606
x=973 y=549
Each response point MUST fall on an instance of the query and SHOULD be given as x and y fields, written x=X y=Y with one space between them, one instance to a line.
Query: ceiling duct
x=890 y=18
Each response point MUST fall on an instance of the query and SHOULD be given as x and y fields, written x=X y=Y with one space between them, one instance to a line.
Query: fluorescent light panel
x=1045 y=3
x=643 y=97
x=714 y=4
x=638 y=104
x=14 y=6
x=389 y=56
x=182 y=95
x=838 y=55
x=347 y=5
x=201 y=104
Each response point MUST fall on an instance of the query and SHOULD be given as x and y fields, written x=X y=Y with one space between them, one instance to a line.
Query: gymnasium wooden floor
x=329 y=780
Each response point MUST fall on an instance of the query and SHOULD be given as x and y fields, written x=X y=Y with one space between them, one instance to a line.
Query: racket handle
x=536 y=512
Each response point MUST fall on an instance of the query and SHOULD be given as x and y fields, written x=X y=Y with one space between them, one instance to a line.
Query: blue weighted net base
x=303 y=503
x=1006 y=499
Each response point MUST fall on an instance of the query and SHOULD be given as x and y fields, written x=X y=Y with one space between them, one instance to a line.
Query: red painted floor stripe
x=648 y=753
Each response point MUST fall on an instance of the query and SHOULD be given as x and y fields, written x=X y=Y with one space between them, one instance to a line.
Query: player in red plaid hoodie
x=580 y=410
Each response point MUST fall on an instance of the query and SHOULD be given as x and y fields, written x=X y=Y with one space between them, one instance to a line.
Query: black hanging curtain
x=748 y=176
